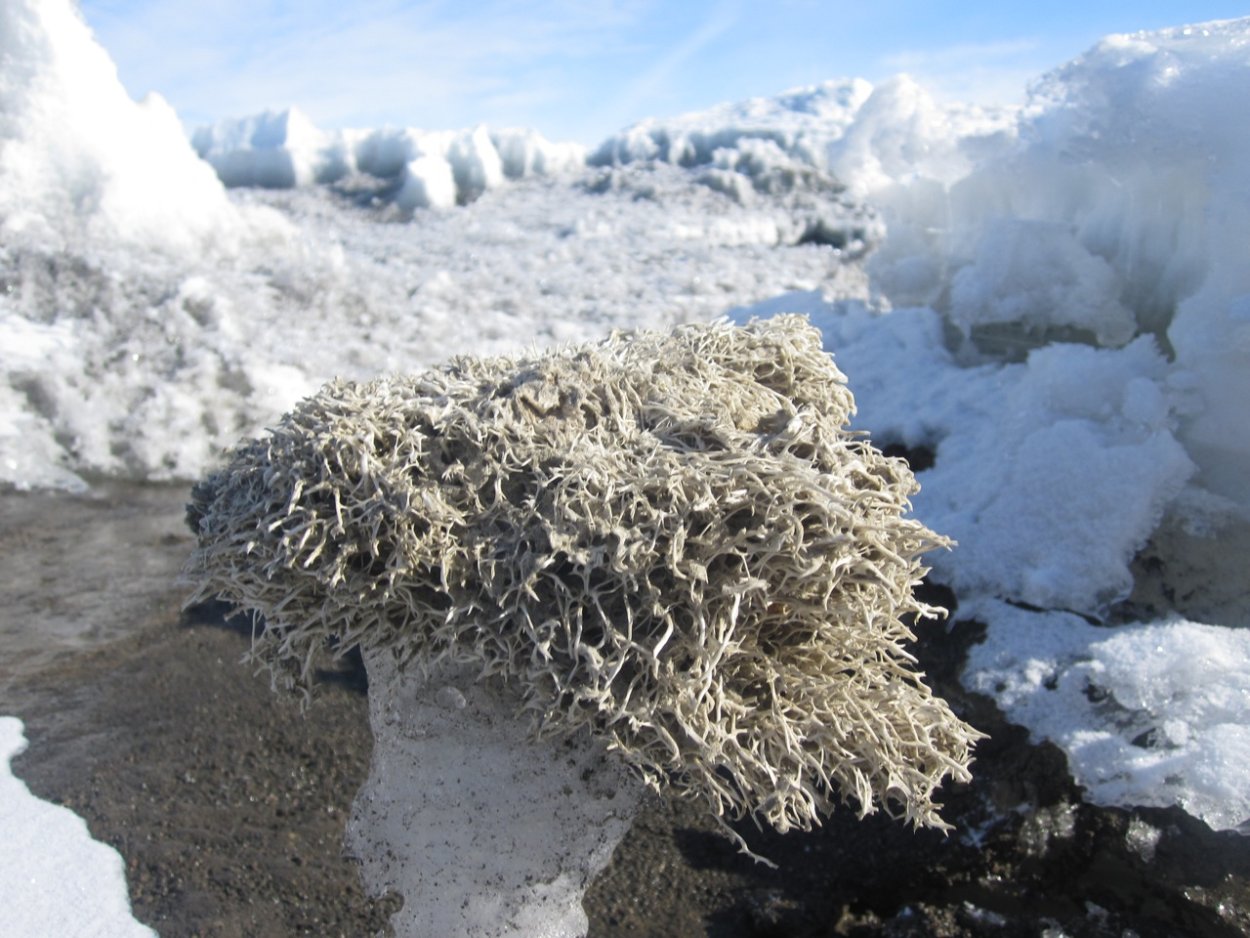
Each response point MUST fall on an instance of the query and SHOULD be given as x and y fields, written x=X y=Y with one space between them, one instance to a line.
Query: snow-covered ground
x=1053 y=301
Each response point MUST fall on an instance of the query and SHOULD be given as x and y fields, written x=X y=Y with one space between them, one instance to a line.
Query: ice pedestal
x=483 y=831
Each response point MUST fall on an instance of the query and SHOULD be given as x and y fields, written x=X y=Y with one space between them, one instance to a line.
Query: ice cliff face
x=415 y=169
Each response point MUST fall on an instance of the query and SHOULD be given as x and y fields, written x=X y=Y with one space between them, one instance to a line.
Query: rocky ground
x=228 y=803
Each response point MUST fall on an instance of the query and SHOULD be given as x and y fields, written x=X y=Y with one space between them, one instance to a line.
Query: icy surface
x=1150 y=713
x=54 y=879
x=497 y=838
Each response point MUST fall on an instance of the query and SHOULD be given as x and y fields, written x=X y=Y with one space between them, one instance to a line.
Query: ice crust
x=498 y=839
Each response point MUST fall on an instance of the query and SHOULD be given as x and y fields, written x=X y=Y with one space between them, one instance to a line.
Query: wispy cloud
x=628 y=100
x=960 y=54
x=988 y=72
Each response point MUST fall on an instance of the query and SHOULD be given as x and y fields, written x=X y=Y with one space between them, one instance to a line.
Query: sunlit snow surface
x=158 y=363
x=1150 y=714
x=1053 y=300
x=54 y=879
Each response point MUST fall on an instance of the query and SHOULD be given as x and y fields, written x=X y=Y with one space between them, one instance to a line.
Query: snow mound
x=1117 y=206
x=276 y=150
x=80 y=160
x=424 y=169
x=765 y=154
x=1025 y=454
x=798 y=123
x=842 y=133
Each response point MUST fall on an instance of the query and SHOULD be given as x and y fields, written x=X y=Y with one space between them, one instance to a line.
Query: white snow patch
x=1151 y=714
x=54 y=879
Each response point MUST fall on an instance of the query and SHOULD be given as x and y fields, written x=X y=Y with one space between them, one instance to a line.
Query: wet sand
x=228 y=803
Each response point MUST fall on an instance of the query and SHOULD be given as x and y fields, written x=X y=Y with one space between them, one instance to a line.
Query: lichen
x=672 y=539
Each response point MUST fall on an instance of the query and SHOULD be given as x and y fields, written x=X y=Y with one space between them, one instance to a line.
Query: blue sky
x=580 y=69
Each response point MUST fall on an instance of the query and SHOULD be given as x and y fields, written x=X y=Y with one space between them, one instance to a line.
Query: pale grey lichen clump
x=673 y=540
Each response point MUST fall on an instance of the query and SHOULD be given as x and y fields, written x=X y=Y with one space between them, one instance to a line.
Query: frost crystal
x=671 y=540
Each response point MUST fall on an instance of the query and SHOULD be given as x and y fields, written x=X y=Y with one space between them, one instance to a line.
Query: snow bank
x=79 y=158
x=1148 y=713
x=1117 y=206
x=771 y=146
x=105 y=215
x=765 y=154
x=427 y=169
x=54 y=879
x=1050 y=473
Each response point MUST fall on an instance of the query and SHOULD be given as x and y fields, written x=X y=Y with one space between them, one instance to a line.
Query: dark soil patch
x=227 y=803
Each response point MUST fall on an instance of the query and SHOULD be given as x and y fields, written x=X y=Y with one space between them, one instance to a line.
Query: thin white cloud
x=960 y=54
x=986 y=73
x=631 y=99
